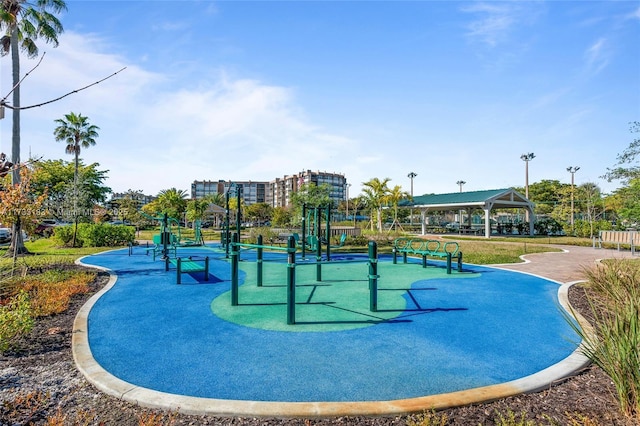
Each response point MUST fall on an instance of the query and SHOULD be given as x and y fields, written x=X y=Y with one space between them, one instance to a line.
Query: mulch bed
x=39 y=381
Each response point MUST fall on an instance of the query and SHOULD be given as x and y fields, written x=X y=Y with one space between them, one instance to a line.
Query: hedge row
x=95 y=235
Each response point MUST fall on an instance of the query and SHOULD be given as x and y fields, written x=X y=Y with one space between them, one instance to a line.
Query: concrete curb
x=120 y=389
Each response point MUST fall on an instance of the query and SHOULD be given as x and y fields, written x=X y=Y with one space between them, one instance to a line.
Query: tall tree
x=127 y=208
x=259 y=212
x=197 y=209
x=590 y=204
x=22 y=24
x=626 y=168
x=56 y=177
x=312 y=195
x=77 y=133
x=20 y=206
x=393 y=197
x=375 y=192
x=173 y=202
x=625 y=202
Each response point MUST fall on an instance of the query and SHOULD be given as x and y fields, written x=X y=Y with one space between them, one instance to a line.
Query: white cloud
x=155 y=134
x=597 y=56
x=494 y=24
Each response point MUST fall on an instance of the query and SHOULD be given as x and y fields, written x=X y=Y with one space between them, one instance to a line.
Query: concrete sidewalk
x=567 y=266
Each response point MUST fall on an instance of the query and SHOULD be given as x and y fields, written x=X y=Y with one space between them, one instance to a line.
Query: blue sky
x=254 y=90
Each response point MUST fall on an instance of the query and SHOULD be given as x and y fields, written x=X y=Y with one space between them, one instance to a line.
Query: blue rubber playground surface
x=433 y=333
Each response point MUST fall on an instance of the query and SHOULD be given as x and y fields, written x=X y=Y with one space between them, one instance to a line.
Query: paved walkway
x=564 y=267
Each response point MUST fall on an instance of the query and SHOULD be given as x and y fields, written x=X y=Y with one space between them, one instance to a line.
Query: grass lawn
x=475 y=250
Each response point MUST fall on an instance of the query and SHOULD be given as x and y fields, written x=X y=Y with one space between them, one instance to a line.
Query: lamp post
x=572 y=170
x=460 y=183
x=348 y=185
x=411 y=175
x=526 y=158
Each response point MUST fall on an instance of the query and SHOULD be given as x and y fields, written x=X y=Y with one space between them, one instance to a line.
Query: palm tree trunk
x=15 y=136
x=17 y=243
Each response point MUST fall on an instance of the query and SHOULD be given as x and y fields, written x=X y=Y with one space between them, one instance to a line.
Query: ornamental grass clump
x=614 y=341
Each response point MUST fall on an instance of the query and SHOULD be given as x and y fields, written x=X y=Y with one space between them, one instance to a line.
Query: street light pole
x=460 y=183
x=572 y=170
x=411 y=175
x=526 y=158
x=348 y=185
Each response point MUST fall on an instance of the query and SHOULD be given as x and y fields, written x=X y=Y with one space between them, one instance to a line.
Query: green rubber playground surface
x=339 y=301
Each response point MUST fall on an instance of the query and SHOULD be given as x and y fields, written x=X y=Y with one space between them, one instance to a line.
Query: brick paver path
x=564 y=267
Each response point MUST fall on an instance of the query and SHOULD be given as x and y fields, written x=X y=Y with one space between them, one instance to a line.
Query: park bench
x=282 y=238
x=425 y=248
x=470 y=231
x=619 y=238
x=188 y=265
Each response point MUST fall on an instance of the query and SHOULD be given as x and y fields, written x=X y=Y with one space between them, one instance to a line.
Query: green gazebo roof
x=496 y=198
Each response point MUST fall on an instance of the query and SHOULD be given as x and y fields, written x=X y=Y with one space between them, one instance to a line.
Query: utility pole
x=526 y=158
x=460 y=183
x=572 y=170
x=411 y=175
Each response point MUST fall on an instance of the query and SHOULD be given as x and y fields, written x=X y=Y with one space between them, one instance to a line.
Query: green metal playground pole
x=259 y=261
x=226 y=226
x=318 y=260
x=165 y=236
x=291 y=281
x=304 y=233
x=316 y=222
x=373 y=276
x=234 y=271
x=328 y=231
x=238 y=219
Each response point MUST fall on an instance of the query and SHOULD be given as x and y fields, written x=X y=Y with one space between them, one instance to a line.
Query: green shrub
x=15 y=319
x=63 y=235
x=586 y=229
x=95 y=235
x=267 y=235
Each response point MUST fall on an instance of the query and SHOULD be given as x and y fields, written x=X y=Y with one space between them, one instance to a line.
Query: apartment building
x=276 y=193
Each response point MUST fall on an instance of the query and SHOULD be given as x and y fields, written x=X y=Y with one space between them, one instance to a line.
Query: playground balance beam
x=187 y=266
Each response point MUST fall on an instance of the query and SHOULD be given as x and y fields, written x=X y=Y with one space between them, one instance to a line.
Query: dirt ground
x=39 y=384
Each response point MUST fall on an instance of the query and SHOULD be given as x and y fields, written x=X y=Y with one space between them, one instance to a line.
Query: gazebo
x=485 y=200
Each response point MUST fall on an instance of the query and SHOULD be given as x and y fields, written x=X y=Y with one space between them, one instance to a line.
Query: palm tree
x=173 y=202
x=376 y=191
x=197 y=209
x=77 y=133
x=393 y=197
x=22 y=25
